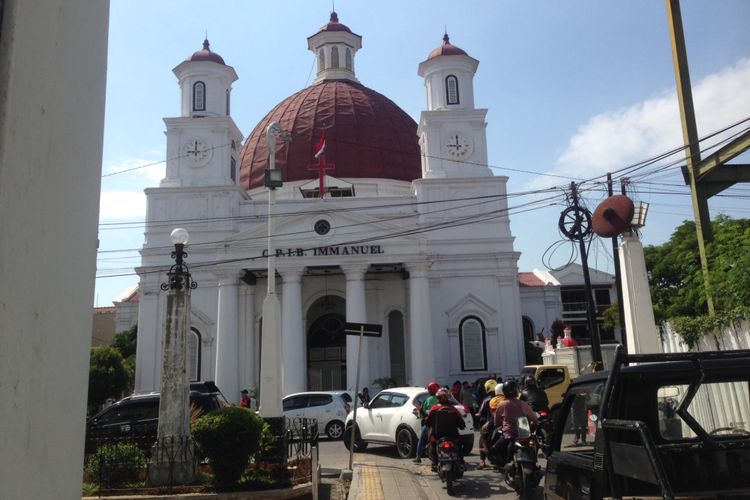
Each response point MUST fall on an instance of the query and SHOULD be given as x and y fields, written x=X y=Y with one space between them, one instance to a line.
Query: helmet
x=510 y=389
x=529 y=382
x=489 y=386
x=498 y=389
x=443 y=395
x=433 y=387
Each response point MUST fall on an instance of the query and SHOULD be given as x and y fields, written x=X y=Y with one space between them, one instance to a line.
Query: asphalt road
x=474 y=484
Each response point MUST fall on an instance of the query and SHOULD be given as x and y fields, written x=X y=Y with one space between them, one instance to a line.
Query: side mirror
x=366 y=405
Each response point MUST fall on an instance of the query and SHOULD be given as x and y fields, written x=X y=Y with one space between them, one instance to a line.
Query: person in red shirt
x=244 y=399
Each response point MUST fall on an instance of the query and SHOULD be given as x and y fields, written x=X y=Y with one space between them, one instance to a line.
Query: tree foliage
x=125 y=341
x=108 y=377
x=675 y=275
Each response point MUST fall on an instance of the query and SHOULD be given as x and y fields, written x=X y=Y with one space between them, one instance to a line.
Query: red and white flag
x=320 y=147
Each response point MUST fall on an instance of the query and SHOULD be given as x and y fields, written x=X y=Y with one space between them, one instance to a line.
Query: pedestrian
x=456 y=390
x=365 y=396
x=580 y=418
x=467 y=397
x=244 y=398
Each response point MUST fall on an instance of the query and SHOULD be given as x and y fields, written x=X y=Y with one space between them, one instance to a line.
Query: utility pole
x=575 y=223
x=618 y=273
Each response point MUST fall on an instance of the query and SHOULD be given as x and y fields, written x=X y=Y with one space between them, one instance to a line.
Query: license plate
x=446 y=467
x=526 y=455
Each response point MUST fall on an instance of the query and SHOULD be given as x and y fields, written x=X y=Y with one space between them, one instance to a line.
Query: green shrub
x=228 y=437
x=114 y=465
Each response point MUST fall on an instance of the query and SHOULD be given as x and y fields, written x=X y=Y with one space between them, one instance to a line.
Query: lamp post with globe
x=172 y=456
x=270 y=371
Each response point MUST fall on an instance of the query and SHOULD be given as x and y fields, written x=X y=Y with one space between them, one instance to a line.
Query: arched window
x=334 y=57
x=194 y=355
x=227 y=102
x=321 y=60
x=451 y=89
x=233 y=169
x=348 y=58
x=472 y=343
x=199 y=96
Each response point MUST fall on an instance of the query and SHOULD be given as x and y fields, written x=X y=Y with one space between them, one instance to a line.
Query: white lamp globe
x=179 y=236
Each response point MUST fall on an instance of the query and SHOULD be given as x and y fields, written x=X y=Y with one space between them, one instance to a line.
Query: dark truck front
x=657 y=425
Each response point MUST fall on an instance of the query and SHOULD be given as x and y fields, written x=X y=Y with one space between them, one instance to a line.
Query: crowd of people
x=494 y=405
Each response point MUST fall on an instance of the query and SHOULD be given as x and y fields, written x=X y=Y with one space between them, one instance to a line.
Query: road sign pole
x=356 y=396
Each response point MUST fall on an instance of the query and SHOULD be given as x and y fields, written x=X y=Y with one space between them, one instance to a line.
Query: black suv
x=136 y=418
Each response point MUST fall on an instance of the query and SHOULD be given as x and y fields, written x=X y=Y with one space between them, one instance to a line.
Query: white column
x=293 y=359
x=356 y=312
x=249 y=365
x=640 y=326
x=147 y=359
x=420 y=325
x=227 y=337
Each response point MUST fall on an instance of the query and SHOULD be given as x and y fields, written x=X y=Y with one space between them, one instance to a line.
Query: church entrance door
x=326 y=353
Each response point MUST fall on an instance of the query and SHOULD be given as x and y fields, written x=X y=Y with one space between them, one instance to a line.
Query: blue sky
x=574 y=89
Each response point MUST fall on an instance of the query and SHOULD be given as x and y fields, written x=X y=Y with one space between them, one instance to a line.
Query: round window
x=322 y=227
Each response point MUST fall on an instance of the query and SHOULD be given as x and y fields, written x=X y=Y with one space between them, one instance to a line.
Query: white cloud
x=615 y=139
x=122 y=205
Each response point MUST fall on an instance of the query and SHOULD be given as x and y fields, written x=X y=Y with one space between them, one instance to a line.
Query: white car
x=390 y=419
x=328 y=409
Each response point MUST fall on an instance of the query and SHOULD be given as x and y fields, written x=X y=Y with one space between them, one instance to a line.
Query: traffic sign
x=366 y=329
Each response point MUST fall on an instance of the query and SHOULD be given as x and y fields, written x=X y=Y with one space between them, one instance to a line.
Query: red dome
x=447 y=49
x=367 y=136
x=205 y=54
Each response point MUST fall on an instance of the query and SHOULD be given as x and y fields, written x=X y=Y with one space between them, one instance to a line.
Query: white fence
x=724 y=405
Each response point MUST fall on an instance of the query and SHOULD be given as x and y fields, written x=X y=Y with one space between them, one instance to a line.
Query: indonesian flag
x=320 y=147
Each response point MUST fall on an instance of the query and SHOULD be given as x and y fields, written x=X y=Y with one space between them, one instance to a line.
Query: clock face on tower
x=458 y=146
x=196 y=152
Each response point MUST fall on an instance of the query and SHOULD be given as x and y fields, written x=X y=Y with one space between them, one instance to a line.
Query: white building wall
x=53 y=60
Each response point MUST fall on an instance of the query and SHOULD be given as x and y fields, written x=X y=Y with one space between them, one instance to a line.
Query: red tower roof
x=447 y=49
x=368 y=136
x=205 y=54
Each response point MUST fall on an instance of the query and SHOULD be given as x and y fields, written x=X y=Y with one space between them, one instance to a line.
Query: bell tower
x=203 y=143
x=451 y=131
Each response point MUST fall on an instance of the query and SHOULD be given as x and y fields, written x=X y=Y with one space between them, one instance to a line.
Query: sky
x=574 y=89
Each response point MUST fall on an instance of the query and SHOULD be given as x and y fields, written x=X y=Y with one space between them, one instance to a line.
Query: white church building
x=410 y=230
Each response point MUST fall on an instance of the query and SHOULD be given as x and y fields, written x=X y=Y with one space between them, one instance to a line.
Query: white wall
x=53 y=58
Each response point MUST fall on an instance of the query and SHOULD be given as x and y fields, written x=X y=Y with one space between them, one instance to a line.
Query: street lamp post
x=172 y=456
x=270 y=374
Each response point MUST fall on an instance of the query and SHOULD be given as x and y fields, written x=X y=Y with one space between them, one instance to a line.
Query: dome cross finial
x=334 y=17
x=206 y=45
x=446 y=39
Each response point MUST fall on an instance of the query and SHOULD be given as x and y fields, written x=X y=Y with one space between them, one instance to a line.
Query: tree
x=108 y=377
x=675 y=275
x=126 y=341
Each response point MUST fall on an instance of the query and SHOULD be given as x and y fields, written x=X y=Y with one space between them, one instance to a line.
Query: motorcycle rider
x=444 y=421
x=506 y=418
x=535 y=396
x=422 y=412
x=484 y=415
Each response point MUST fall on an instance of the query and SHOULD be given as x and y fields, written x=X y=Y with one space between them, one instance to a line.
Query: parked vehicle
x=655 y=425
x=450 y=464
x=328 y=409
x=136 y=418
x=554 y=379
x=390 y=419
x=522 y=473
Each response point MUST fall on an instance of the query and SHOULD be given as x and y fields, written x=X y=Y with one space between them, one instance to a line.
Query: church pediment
x=572 y=274
x=470 y=304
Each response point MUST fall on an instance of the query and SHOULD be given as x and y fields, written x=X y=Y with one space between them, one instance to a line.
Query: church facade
x=379 y=220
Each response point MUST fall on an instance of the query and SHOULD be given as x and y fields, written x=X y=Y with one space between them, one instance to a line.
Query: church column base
x=173 y=461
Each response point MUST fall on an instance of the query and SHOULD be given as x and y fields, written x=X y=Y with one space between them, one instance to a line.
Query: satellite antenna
x=613 y=216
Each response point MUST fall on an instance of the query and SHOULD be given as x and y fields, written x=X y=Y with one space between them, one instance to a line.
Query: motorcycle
x=543 y=431
x=522 y=473
x=450 y=465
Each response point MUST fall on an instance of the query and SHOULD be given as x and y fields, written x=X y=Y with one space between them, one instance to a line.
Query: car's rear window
x=320 y=399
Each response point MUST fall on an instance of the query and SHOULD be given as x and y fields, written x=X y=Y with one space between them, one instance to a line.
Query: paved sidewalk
x=373 y=481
